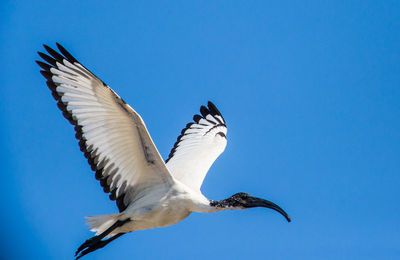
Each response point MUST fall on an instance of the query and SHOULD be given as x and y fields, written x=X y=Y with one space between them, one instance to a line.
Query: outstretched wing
x=198 y=146
x=111 y=134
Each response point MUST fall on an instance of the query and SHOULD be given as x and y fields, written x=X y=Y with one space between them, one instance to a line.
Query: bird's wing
x=198 y=146
x=111 y=134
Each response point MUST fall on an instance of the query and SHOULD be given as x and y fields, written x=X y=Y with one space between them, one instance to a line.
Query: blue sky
x=310 y=91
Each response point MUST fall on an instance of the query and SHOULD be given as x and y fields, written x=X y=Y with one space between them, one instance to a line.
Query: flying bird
x=149 y=192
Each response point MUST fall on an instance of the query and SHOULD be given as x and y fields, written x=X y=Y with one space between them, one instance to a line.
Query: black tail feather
x=96 y=242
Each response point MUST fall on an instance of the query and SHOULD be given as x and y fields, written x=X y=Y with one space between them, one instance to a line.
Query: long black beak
x=256 y=202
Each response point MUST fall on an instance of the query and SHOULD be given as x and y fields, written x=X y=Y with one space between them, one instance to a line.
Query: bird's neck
x=212 y=206
x=225 y=204
x=199 y=203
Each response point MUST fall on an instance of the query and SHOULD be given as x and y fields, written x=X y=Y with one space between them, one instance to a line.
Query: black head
x=243 y=200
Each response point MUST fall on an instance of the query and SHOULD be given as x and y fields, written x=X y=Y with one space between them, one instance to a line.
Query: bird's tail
x=100 y=223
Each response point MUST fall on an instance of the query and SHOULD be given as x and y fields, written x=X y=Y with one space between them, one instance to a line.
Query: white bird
x=149 y=192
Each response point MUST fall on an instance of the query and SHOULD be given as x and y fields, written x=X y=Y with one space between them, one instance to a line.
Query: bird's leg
x=99 y=244
x=96 y=239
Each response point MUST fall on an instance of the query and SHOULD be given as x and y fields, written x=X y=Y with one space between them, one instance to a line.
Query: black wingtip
x=66 y=53
x=47 y=58
x=213 y=109
x=54 y=53
x=204 y=111
x=46 y=74
x=43 y=65
x=47 y=47
x=197 y=118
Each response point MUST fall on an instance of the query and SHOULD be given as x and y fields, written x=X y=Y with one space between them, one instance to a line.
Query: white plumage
x=149 y=193
x=197 y=148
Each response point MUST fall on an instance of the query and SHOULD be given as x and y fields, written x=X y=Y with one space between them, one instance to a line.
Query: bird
x=149 y=192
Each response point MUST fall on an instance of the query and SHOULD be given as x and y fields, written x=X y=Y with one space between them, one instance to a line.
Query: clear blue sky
x=310 y=91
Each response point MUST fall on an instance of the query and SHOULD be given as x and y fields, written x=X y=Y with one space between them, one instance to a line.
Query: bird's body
x=159 y=209
x=149 y=192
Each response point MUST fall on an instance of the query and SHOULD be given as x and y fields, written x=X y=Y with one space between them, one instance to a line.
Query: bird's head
x=243 y=200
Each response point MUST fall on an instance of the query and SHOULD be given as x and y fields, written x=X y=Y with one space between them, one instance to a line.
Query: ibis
x=149 y=192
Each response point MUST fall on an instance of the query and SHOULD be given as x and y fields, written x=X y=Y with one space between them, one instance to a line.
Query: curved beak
x=257 y=202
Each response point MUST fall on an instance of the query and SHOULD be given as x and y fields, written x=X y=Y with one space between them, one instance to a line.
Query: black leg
x=97 y=239
x=98 y=245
